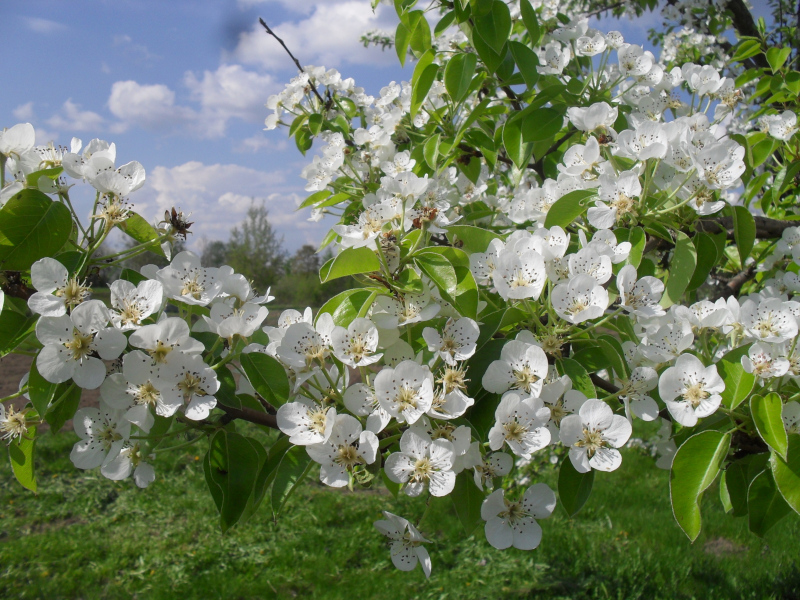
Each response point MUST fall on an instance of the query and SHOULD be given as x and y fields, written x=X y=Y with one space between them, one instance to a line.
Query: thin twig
x=289 y=52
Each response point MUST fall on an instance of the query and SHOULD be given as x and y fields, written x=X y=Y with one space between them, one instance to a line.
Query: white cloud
x=259 y=142
x=218 y=197
x=329 y=36
x=146 y=106
x=24 y=112
x=230 y=92
x=72 y=118
x=128 y=46
x=45 y=26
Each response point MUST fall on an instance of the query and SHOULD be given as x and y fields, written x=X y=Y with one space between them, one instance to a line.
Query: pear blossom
x=406 y=543
x=581 y=299
x=494 y=464
x=616 y=193
x=356 y=345
x=763 y=361
x=456 y=342
x=346 y=448
x=166 y=340
x=17 y=140
x=514 y=523
x=70 y=340
x=790 y=413
x=195 y=382
x=129 y=460
x=690 y=389
x=522 y=366
x=360 y=400
x=597 y=116
x=781 y=127
x=521 y=423
x=593 y=436
x=132 y=304
x=187 y=281
x=306 y=422
x=56 y=290
x=641 y=296
x=422 y=463
x=13 y=423
x=633 y=392
x=103 y=433
x=406 y=391
x=768 y=321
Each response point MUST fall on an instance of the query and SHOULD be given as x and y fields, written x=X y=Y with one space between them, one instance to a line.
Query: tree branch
x=248 y=414
x=745 y=26
x=734 y=286
x=297 y=62
x=603 y=384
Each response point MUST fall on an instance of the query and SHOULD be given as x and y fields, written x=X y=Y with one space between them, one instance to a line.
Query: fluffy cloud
x=45 y=26
x=230 y=92
x=24 y=112
x=327 y=36
x=258 y=142
x=148 y=106
x=218 y=197
x=72 y=118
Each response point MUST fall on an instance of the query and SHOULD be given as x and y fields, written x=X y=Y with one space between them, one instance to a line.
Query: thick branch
x=765 y=228
x=746 y=26
x=253 y=416
x=734 y=286
x=603 y=384
x=296 y=62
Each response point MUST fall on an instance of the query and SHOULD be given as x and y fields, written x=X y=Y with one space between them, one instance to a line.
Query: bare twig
x=253 y=416
x=289 y=52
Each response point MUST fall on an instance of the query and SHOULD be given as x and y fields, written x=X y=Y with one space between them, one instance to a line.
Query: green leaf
x=787 y=472
x=495 y=26
x=63 y=407
x=467 y=500
x=422 y=86
x=766 y=413
x=314 y=198
x=474 y=239
x=41 y=391
x=488 y=55
x=707 y=257
x=527 y=61
x=744 y=231
x=293 y=468
x=573 y=488
x=581 y=381
x=420 y=36
x=610 y=345
x=738 y=476
x=458 y=75
x=777 y=56
x=233 y=466
x=20 y=452
x=350 y=261
x=141 y=231
x=745 y=50
x=348 y=305
x=568 y=208
x=315 y=123
x=32 y=179
x=516 y=148
x=765 y=505
x=267 y=376
x=542 y=124
x=531 y=21
x=738 y=382
x=439 y=270
x=133 y=276
x=694 y=469
x=402 y=38
x=31 y=227
x=681 y=269
x=16 y=323
x=226 y=394
x=431 y=151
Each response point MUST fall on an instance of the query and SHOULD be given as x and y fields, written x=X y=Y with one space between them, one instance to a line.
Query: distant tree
x=305 y=260
x=215 y=254
x=255 y=250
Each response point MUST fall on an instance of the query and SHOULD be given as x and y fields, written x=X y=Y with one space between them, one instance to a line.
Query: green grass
x=87 y=537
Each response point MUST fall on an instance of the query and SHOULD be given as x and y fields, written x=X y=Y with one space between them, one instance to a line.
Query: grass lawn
x=87 y=537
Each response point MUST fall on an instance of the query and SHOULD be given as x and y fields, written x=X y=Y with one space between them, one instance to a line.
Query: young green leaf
x=695 y=466
x=766 y=413
x=574 y=488
x=267 y=376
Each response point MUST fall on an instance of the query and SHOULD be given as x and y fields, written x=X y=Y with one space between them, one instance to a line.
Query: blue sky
x=180 y=86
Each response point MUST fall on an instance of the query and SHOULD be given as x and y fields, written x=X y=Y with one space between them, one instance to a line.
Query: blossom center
x=80 y=345
x=592 y=440
x=514 y=431
x=191 y=385
x=159 y=353
x=146 y=394
x=695 y=394
x=347 y=456
x=524 y=378
x=406 y=398
x=73 y=292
